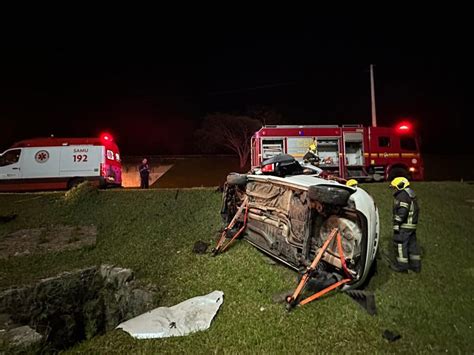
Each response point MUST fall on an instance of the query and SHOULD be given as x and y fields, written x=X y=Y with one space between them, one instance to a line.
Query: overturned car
x=321 y=227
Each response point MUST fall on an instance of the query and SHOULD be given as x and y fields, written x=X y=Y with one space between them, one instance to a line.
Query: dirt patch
x=46 y=239
x=200 y=247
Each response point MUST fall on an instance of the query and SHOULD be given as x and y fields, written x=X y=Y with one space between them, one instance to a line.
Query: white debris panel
x=192 y=315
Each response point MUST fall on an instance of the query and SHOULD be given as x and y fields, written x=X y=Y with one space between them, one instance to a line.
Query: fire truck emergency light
x=105 y=137
x=404 y=127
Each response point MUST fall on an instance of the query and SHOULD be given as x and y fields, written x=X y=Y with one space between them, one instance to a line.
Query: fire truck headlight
x=412 y=169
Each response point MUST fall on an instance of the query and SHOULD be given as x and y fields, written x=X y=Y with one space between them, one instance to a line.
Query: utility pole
x=372 y=94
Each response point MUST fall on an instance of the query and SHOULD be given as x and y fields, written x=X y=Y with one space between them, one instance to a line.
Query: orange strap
x=231 y=225
x=323 y=292
x=240 y=230
x=307 y=275
x=342 y=257
x=312 y=267
x=337 y=284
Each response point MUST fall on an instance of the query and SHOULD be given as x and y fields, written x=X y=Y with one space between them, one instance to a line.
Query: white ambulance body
x=59 y=163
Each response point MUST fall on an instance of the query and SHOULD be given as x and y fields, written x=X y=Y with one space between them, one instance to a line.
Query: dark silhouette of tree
x=266 y=115
x=232 y=132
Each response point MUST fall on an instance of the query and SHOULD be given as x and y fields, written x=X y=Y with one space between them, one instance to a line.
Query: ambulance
x=60 y=163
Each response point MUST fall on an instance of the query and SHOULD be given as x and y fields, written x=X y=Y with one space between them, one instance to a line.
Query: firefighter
x=144 y=170
x=405 y=219
x=352 y=183
x=313 y=147
x=312 y=153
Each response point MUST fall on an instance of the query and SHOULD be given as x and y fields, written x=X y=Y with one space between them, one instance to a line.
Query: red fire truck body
x=349 y=151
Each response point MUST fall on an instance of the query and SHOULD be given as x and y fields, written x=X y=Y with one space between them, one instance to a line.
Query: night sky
x=151 y=85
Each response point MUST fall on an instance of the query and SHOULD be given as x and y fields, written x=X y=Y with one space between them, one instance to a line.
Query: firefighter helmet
x=352 y=182
x=400 y=183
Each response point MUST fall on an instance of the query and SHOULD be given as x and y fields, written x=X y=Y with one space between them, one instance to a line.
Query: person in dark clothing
x=405 y=220
x=144 y=170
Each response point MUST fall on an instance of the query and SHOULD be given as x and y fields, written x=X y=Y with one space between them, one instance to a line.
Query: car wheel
x=328 y=194
x=398 y=172
x=236 y=179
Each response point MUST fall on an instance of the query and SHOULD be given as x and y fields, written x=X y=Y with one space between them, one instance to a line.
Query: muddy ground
x=46 y=239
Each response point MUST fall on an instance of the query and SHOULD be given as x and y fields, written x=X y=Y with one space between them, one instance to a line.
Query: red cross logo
x=42 y=156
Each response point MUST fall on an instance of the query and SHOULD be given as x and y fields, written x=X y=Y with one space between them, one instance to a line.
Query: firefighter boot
x=395 y=267
x=415 y=263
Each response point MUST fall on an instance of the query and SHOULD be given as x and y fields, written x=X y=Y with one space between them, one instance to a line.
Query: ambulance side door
x=80 y=160
x=10 y=164
x=40 y=162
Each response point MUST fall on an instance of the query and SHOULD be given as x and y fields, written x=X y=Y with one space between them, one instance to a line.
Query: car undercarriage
x=310 y=224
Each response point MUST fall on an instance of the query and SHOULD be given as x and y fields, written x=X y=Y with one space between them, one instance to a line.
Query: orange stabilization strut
x=220 y=247
x=292 y=300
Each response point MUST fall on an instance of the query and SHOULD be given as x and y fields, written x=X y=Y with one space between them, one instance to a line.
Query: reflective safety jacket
x=405 y=210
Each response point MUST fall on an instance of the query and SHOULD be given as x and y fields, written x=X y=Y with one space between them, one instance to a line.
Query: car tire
x=372 y=272
x=236 y=179
x=398 y=172
x=329 y=195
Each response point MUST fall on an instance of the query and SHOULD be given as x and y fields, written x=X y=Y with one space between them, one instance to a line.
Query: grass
x=455 y=167
x=153 y=232
x=211 y=170
x=199 y=171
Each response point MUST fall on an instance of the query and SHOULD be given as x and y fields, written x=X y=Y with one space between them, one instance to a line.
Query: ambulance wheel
x=329 y=195
x=398 y=172
x=74 y=182
x=236 y=179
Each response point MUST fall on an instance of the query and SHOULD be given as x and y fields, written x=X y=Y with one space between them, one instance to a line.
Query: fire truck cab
x=60 y=163
x=348 y=151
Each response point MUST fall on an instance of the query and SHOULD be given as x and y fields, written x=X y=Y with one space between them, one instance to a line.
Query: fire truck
x=60 y=163
x=347 y=151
